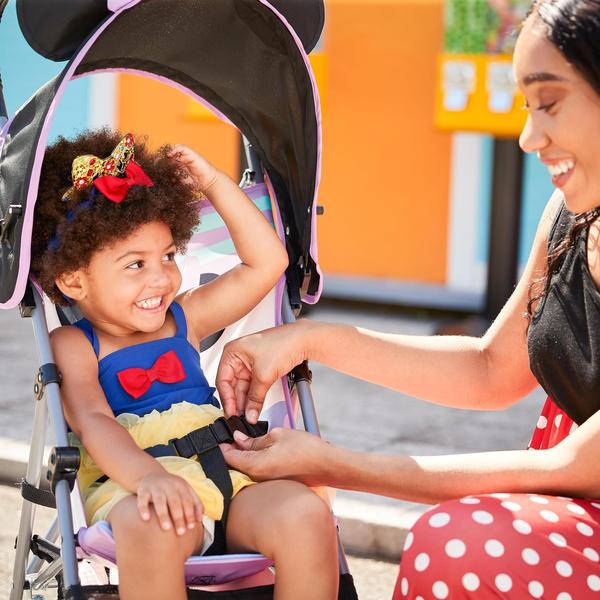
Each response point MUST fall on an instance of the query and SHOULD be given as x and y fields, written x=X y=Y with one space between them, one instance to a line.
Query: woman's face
x=563 y=125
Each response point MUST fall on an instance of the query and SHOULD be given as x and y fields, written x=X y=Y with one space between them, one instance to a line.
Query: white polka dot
x=575 y=508
x=564 y=498
x=557 y=420
x=470 y=500
x=503 y=582
x=419 y=598
x=536 y=589
x=522 y=526
x=511 y=506
x=573 y=427
x=409 y=540
x=563 y=568
x=455 y=548
x=539 y=499
x=440 y=590
x=530 y=556
x=500 y=495
x=542 y=422
x=421 y=562
x=548 y=515
x=439 y=519
x=593 y=582
x=494 y=548
x=470 y=581
x=482 y=517
x=595 y=504
x=591 y=554
x=564 y=596
x=404 y=586
x=558 y=540
x=584 y=529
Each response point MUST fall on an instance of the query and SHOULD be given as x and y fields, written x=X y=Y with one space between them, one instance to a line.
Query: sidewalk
x=352 y=413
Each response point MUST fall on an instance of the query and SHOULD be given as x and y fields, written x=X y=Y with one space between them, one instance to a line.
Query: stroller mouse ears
x=57 y=28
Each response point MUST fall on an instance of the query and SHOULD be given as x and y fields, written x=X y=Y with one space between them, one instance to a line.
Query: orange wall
x=385 y=172
x=385 y=183
x=165 y=115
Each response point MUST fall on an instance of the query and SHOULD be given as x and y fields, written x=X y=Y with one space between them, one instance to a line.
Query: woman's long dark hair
x=573 y=26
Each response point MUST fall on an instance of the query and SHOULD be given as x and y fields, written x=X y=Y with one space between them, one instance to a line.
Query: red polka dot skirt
x=506 y=545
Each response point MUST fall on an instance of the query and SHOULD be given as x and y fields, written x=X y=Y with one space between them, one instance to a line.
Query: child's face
x=129 y=286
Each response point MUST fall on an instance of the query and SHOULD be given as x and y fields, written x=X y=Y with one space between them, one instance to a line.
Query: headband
x=113 y=176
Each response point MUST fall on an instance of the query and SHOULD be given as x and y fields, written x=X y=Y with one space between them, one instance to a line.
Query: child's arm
x=230 y=296
x=110 y=445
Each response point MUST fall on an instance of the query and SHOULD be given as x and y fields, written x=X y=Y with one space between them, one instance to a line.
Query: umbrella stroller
x=256 y=77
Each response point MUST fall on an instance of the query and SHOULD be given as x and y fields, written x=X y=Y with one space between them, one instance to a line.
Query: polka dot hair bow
x=113 y=176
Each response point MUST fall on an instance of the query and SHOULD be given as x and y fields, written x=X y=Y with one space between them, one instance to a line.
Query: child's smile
x=128 y=287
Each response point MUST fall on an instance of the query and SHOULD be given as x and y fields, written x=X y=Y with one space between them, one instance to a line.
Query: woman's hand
x=175 y=502
x=200 y=173
x=251 y=364
x=281 y=454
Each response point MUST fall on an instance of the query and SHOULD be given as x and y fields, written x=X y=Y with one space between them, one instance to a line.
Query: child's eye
x=138 y=264
x=169 y=257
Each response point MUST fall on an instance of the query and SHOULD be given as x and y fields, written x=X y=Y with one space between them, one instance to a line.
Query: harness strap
x=204 y=444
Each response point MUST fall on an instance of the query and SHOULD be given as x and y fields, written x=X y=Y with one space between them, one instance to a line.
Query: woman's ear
x=71 y=285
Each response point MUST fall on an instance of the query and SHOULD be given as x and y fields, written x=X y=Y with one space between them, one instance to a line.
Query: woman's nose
x=533 y=138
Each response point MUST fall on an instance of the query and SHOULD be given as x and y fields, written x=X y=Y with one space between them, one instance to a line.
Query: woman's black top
x=564 y=334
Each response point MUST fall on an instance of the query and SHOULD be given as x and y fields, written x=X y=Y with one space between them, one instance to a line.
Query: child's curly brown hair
x=62 y=245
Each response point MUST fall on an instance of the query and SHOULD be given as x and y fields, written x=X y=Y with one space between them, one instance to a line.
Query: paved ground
x=374 y=579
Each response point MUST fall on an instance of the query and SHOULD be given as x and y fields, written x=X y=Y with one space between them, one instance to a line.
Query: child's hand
x=201 y=173
x=175 y=502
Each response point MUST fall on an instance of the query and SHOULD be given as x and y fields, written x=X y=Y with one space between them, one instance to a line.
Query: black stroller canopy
x=237 y=55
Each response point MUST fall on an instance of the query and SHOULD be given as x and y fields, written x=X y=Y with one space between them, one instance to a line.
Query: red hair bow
x=166 y=369
x=116 y=188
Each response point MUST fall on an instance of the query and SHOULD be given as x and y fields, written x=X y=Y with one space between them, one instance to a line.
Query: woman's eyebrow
x=540 y=77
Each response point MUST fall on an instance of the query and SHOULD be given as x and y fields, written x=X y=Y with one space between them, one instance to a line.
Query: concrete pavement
x=352 y=413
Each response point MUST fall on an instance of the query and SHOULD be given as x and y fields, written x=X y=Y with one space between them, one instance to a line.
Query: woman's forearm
x=433 y=479
x=447 y=370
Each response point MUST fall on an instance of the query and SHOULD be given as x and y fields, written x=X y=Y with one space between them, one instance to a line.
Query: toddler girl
x=110 y=217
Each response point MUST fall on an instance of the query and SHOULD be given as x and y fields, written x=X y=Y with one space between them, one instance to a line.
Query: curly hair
x=68 y=232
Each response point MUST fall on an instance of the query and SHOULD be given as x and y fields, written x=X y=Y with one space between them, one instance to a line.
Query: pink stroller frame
x=282 y=139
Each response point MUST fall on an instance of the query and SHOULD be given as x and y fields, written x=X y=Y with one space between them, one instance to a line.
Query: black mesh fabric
x=241 y=58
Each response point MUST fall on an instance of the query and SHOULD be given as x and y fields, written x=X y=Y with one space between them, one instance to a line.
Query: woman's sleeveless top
x=564 y=334
x=152 y=375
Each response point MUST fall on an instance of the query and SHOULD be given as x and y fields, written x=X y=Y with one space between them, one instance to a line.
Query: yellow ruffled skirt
x=148 y=430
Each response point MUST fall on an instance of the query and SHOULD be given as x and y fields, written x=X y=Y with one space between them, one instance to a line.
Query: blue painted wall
x=23 y=72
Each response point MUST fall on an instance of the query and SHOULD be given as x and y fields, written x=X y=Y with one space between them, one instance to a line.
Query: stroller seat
x=97 y=542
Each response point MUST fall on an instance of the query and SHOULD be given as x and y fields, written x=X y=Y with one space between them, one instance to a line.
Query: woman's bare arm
x=458 y=371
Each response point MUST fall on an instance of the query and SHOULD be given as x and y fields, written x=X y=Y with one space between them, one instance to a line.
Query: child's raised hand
x=175 y=502
x=201 y=172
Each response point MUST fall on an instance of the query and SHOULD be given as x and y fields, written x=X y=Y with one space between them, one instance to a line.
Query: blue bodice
x=193 y=388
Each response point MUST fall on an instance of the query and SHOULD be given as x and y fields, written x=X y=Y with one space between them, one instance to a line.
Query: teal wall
x=23 y=72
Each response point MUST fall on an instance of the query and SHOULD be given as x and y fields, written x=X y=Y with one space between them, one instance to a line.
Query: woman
x=516 y=524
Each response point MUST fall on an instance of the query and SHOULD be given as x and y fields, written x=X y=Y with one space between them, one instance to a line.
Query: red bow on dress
x=116 y=188
x=166 y=369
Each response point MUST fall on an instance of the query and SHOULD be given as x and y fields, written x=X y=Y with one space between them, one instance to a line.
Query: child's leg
x=289 y=523
x=150 y=559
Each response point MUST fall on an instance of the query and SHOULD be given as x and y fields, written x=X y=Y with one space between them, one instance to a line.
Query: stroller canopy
x=242 y=57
